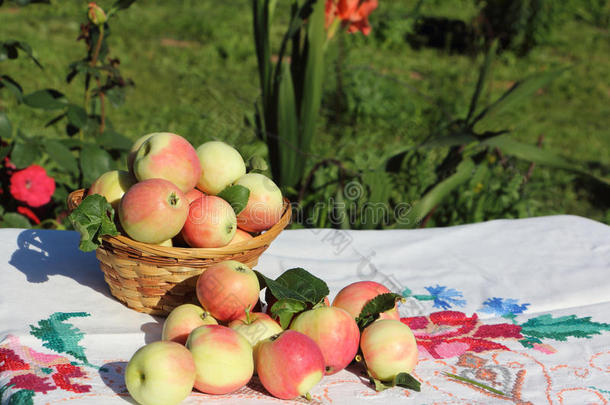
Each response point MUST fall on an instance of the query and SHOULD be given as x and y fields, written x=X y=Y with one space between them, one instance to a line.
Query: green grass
x=194 y=66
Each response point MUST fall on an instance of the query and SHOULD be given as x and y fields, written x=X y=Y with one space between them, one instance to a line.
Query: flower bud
x=96 y=15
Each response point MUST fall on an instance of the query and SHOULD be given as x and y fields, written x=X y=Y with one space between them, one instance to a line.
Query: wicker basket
x=155 y=279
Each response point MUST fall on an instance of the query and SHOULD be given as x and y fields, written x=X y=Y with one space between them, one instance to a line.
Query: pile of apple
x=216 y=348
x=170 y=194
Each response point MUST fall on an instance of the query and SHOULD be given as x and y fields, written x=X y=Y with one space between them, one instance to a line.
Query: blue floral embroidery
x=445 y=297
x=505 y=307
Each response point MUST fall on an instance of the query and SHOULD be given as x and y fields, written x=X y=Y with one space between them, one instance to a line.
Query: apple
x=211 y=223
x=265 y=204
x=153 y=211
x=131 y=157
x=389 y=348
x=168 y=156
x=160 y=373
x=240 y=236
x=353 y=298
x=221 y=166
x=112 y=185
x=336 y=333
x=289 y=364
x=227 y=289
x=182 y=320
x=223 y=359
x=166 y=243
x=255 y=327
x=193 y=195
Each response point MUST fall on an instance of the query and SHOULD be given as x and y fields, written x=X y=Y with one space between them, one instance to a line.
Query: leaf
x=77 y=115
x=483 y=73
x=6 y=129
x=547 y=327
x=404 y=380
x=285 y=309
x=28 y=51
x=111 y=140
x=518 y=93
x=371 y=310
x=25 y=152
x=94 y=161
x=116 y=96
x=47 y=99
x=288 y=128
x=62 y=156
x=123 y=4
x=14 y=220
x=436 y=196
x=93 y=218
x=539 y=156
x=296 y=284
x=59 y=336
x=237 y=196
x=12 y=85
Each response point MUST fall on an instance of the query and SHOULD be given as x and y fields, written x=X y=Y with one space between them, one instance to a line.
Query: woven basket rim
x=121 y=241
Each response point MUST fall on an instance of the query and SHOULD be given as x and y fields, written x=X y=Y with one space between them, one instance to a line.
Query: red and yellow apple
x=221 y=166
x=193 y=195
x=211 y=223
x=227 y=289
x=289 y=364
x=131 y=157
x=355 y=296
x=255 y=327
x=240 y=236
x=160 y=373
x=265 y=204
x=112 y=185
x=389 y=348
x=336 y=333
x=153 y=211
x=182 y=320
x=168 y=156
x=223 y=359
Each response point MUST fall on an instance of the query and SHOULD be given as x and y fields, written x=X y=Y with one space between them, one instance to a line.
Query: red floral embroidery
x=451 y=333
x=63 y=375
x=32 y=186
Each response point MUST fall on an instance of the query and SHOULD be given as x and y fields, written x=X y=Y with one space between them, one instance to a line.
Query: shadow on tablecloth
x=42 y=253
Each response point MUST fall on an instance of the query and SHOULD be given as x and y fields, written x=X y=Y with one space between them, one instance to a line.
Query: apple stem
x=248 y=321
x=307 y=396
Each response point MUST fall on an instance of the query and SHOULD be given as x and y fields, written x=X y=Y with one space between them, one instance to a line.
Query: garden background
x=396 y=123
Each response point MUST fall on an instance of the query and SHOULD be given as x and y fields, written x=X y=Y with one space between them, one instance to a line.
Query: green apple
x=160 y=373
x=112 y=185
x=221 y=165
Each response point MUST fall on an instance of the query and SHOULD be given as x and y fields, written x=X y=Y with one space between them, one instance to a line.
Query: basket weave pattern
x=155 y=279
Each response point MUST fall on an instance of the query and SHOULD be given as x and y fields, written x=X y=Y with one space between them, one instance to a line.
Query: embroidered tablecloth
x=521 y=306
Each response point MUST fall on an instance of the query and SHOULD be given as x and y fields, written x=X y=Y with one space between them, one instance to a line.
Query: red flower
x=32 y=186
x=353 y=13
x=25 y=211
x=451 y=333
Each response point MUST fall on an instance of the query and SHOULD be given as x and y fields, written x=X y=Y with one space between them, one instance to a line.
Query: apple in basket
x=112 y=185
x=353 y=297
x=168 y=156
x=240 y=236
x=265 y=204
x=223 y=359
x=193 y=195
x=227 y=289
x=210 y=223
x=336 y=333
x=153 y=211
x=389 y=348
x=289 y=364
x=182 y=320
x=131 y=157
x=221 y=166
x=160 y=373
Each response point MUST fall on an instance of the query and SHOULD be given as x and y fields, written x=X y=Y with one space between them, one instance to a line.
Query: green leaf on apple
x=297 y=284
x=404 y=380
x=93 y=218
x=237 y=196
x=370 y=312
x=285 y=309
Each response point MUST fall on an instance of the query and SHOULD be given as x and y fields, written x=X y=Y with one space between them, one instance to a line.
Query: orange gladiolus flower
x=353 y=13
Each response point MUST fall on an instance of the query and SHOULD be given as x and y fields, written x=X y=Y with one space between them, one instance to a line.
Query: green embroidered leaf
x=285 y=309
x=370 y=312
x=297 y=284
x=59 y=336
x=93 y=218
x=22 y=397
x=547 y=327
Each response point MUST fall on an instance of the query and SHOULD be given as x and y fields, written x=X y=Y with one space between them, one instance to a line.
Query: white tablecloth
x=522 y=306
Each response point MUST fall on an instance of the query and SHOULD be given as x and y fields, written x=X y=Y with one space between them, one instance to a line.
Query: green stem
x=476 y=383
